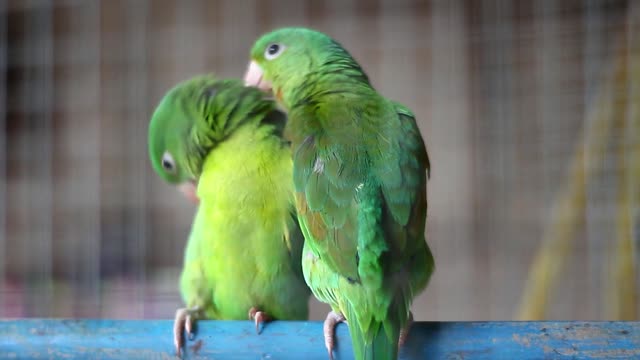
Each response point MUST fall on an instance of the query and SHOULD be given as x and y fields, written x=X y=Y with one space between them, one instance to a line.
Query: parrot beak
x=189 y=190
x=255 y=77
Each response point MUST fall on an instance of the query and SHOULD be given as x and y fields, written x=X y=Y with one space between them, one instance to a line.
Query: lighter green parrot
x=244 y=251
x=360 y=170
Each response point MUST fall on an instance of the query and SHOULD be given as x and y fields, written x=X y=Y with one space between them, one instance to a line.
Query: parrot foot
x=404 y=332
x=259 y=317
x=329 y=329
x=184 y=320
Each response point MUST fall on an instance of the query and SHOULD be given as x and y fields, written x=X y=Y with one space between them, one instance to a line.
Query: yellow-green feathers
x=245 y=245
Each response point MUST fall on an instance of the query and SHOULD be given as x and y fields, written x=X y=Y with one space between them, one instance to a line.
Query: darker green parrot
x=360 y=170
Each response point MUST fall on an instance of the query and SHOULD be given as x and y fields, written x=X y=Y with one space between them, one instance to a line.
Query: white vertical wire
x=546 y=32
x=44 y=203
x=22 y=192
x=37 y=150
x=498 y=35
x=189 y=24
x=592 y=65
x=91 y=25
x=237 y=39
x=4 y=49
x=452 y=148
x=633 y=140
x=488 y=54
x=137 y=112
x=546 y=46
x=507 y=84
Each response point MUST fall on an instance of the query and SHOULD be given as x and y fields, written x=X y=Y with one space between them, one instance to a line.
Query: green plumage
x=360 y=172
x=245 y=245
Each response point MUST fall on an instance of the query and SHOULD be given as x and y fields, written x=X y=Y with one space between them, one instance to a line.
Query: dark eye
x=273 y=51
x=167 y=162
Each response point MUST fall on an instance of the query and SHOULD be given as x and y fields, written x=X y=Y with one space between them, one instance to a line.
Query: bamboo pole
x=622 y=298
x=567 y=214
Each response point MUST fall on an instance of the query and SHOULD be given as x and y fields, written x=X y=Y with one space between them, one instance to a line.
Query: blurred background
x=530 y=111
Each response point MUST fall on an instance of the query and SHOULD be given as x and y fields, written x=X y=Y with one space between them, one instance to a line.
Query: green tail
x=378 y=342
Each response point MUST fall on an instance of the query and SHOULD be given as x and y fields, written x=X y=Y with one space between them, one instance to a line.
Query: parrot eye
x=167 y=162
x=273 y=51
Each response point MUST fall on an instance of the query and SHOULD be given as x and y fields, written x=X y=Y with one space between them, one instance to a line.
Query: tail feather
x=379 y=341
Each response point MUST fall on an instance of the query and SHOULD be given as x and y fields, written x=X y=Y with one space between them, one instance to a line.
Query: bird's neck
x=206 y=134
x=335 y=75
x=251 y=155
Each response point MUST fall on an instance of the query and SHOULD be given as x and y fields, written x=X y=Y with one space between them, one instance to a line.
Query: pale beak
x=190 y=190
x=255 y=77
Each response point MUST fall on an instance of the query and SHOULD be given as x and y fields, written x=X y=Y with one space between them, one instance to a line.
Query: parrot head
x=168 y=133
x=193 y=118
x=284 y=59
x=173 y=126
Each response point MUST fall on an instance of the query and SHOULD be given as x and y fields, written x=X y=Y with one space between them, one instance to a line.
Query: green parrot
x=360 y=169
x=224 y=140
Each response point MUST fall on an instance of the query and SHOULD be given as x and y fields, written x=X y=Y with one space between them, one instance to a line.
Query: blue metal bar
x=152 y=339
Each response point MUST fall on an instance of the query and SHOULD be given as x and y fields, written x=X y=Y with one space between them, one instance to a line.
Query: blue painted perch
x=133 y=339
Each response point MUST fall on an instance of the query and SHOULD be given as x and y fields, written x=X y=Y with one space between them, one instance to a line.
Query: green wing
x=362 y=206
x=409 y=263
x=403 y=177
x=326 y=207
x=365 y=196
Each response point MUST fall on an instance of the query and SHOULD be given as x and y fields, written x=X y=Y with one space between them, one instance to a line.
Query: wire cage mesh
x=525 y=106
